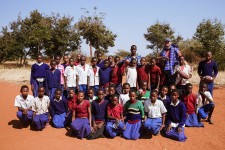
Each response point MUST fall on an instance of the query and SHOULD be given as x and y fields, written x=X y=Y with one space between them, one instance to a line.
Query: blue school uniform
x=176 y=117
x=104 y=74
x=59 y=110
x=53 y=80
x=38 y=76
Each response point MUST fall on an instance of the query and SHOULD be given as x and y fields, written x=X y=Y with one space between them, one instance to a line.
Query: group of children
x=93 y=102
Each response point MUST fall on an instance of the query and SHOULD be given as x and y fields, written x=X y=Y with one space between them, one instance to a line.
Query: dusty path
x=11 y=138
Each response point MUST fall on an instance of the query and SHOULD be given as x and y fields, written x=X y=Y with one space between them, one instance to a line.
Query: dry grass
x=22 y=75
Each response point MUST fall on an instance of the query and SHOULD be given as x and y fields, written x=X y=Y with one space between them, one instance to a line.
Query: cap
x=167 y=40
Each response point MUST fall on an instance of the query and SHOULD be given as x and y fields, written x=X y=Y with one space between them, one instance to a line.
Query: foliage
x=210 y=33
x=157 y=33
x=96 y=34
x=122 y=53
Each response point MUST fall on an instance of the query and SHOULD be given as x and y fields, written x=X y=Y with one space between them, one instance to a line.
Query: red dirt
x=209 y=137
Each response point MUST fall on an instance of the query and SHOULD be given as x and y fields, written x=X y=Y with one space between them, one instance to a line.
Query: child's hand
x=100 y=125
x=25 y=111
x=179 y=130
x=163 y=126
x=169 y=128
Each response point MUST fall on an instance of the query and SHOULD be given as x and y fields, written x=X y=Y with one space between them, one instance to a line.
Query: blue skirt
x=25 y=119
x=192 y=121
x=40 y=121
x=153 y=125
x=82 y=127
x=59 y=120
x=174 y=134
x=132 y=131
x=114 y=130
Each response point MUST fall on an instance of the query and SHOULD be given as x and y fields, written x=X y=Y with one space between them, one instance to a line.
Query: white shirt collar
x=21 y=98
x=58 y=100
x=39 y=64
x=163 y=98
x=175 y=104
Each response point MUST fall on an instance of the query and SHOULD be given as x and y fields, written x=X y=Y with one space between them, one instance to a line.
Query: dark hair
x=175 y=91
x=133 y=46
x=24 y=87
x=112 y=86
x=79 y=92
x=58 y=90
x=39 y=55
x=41 y=87
x=106 y=60
x=52 y=61
x=164 y=87
x=93 y=58
x=143 y=58
x=71 y=90
x=57 y=56
x=133 y=91
x=115 y=95
x=153 y=58
x=154 y=91
x=91 y=89
x=100 y=90
x=203 y=83
x=125 y=84
x=188 y=84
x=116 y=57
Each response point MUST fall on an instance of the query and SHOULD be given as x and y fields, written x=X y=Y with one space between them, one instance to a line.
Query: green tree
x=122 y=53
x=96 y=34
x=210 y=33
x=157 y=33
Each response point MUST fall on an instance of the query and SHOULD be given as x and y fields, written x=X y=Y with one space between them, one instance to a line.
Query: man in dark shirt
x=207 y=71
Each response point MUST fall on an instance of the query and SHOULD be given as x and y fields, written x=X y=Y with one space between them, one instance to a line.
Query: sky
x=129 y=19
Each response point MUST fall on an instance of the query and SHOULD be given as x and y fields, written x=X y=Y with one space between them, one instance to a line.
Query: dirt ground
x=12 y=137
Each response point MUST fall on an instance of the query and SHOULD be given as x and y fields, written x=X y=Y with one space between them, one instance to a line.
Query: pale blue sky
x=128 y=19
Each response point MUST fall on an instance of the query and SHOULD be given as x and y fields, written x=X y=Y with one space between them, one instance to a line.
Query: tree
x=64 y=36
x=210 y=33
x=96 y=34
x=122 y=53
x=157 y=33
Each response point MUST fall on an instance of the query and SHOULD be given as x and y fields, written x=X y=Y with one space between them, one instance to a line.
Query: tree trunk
x=21 y=60
x=90 y=50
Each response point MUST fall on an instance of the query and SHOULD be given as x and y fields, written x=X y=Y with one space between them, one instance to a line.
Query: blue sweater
x=53 y=79
x=104 y=74
x=99 y=111
x=176 y=114
x=38 y=71
x=208 y=69
x=166 y=101
x=58 y=107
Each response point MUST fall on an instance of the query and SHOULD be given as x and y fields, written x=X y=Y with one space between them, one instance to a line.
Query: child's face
x=154 y=97
x=71 y=62
x=174 y=97
x=58 y=94
x=94 y=62
x=114 y=100
x=133 y=63
x=106 y=64
x=41 y=92
x=71 y=93
x=116 y=59
x=106 y=91
x=172 y=88
x=153 y=62
x=78 y=57
x=132 y=96
x=126 y=89
x=189 y=89
x=203 y=88
x=24 y=92
x=99 y=57
x=100 y=95
x=111 y=91
x=80 y=97
x=143 y=61
x=82 y=60
x=39 y=59
x=110 y=58
x=53 y=65
x=90 y=93
x=65 y=59
x=164 y=91
x=208 y=56
x=57 y=60
x=144 y=86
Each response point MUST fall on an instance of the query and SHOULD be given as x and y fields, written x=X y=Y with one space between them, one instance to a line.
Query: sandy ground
x=12 y=137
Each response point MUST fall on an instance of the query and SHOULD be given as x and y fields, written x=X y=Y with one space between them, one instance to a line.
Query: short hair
x=133 y=46
x=116 y=57
x=143 y=58
x=115 y=95
x=165 y=87
x=153 y=58
x=106 y=60
x=52 y=61
x=154 y=91
x=58 y=90
x=100 y=90
x=112 y=86
x=91 y=89
x=175 y=91
x=126 y=84
x=203 y=83
x=93 y=58
x=57 y=56
x=41 y=87
x=24 y=87
x=188 y=84
x=132 y=91
x=39 y=55
x=79 y=92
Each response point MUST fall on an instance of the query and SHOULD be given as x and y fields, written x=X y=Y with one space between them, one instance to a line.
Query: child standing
x=38 y=75
x=81 y=117
x=143 y=94
x=176 y=117
x=189 y=100
x=131 y=74
x=115 y=123
x=111 y=92
x=82 y=72
x=71 y=76
x=155 y=73
x=124 y=97
x=59 y=109
x=40 y=109
x=24 y=104
x=99 y=108
x=155 y=112
x=61 y=69
x=143 y=73
x=93 y=76
x=164 y=97
x=53 y=79
x=205 y=103
x=134 y=111
x=104 y=74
